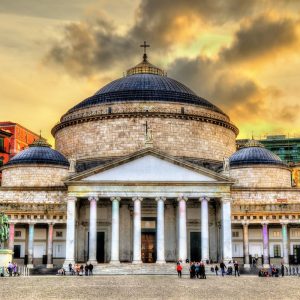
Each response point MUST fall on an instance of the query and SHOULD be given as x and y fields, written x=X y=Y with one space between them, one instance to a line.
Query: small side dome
x=39 y=152
x=254 y=153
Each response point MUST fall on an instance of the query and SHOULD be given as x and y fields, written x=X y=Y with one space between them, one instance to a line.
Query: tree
x=4 y=229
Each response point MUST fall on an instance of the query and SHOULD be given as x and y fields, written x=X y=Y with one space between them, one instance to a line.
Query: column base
x=136 y=262
x=30 y=266
x=247 y=266
x=114 y=262
x=49 y=266
x=227 y=260
x=160 y=262
x=93 y=262
x=266 y=266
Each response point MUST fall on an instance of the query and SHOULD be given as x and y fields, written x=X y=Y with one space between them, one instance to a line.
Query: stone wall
x=261 y=176
x=33 y=176
x=122 y=136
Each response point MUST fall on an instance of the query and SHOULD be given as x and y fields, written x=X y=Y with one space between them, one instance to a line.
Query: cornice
x=143 y=114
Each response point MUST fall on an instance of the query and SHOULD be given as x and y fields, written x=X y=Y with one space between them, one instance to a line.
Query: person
x=15 y=269
x=192 y=270
x=71 y=269
x=222 y=267
x=10 y=268
x=229 y=268
x=236 y=269
x=91 y=267
x=86 y=270
x=282 y=269
x=81 y=269
x=216 y=270
x=197 y=269
x=179 y=270
x=77 y=269
x=202 y=270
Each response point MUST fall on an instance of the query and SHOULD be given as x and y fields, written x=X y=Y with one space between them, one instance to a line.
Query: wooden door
x=148 y=248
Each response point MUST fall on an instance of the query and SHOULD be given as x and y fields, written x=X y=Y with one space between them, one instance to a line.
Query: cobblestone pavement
x=148 y=287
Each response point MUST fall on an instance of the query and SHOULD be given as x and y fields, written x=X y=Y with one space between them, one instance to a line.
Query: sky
x=242 y=56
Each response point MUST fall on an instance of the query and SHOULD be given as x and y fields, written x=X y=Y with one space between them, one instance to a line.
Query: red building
x=5 y=137
x=20 y=138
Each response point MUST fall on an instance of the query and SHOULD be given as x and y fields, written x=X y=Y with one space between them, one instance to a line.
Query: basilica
x=156 y=178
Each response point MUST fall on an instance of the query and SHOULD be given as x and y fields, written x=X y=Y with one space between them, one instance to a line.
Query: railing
x=21 y=271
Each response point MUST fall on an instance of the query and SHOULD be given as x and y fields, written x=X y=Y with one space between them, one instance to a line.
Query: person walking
x=91 y=267
x=236 y=269
x=10 y=269
x=222 y=267
x=179 y=270
x=197 y=269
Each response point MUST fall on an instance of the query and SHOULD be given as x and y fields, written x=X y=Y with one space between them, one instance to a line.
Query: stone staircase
x=142 y=269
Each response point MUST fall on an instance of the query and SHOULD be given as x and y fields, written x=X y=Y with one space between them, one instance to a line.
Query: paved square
x=148 y=287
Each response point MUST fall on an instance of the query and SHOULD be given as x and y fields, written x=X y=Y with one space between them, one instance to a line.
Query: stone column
x=265 y=244
x=30 y=245
x=70 y=239
x=11 y=241
x=50 y=246
x=226 y=229
x=137 y=202
x=182 y=234
x=115 y=224
x=285 y=243
x=246 y=244
x=160 y=238
x=93 y=230
x=204 y=229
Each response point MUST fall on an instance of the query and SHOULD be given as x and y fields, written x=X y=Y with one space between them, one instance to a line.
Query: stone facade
x=261 y=176
x=34 y=176
x=122 y=136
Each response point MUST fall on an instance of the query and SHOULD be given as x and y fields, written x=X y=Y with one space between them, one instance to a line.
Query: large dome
x=254 y=153
x=145 y=87
x=39 y=153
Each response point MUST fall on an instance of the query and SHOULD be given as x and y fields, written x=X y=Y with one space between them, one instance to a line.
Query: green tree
x=4 y=229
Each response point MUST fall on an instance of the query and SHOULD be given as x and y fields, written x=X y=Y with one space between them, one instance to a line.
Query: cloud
x=262 y=36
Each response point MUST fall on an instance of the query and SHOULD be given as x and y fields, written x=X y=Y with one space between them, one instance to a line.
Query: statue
x=149 y=137
x=4 y=229
x=226 y=164
x=72 y=168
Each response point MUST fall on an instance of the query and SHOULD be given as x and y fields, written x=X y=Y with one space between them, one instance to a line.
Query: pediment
x=149 y=166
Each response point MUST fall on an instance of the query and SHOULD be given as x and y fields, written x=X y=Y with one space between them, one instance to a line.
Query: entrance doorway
x=17 y=251
x=195 y=244
x=100 y=247
x=148 y=247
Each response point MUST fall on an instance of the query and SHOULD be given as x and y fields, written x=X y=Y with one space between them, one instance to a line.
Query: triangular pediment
x=149 y=166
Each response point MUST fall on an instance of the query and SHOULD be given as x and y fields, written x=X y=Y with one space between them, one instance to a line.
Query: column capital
x=180 y=198
x=284 y=222
x=115 y=198
x=265 y=223
x=160 y=198
x=226 y=199
x=137 y=199
x=50 y=223
x=91 y=198
x=72 y=198
x=245 y=223
x=14 y=222
x=204 y=198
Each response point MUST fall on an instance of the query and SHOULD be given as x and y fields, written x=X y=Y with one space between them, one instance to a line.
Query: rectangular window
x=276 y=233
x=18 y=233
x=277 y=250
x=235 y=234
x=59 y=234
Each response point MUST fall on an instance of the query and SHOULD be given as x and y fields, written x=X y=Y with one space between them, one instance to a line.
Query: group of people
x=227 y=270
x=272 y=272
x=78 y=270
x=197 y=269
x=12 y=270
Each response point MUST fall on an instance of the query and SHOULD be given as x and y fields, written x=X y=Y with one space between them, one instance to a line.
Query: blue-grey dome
x=145 y=87
x=39 y=153
x=254 y=153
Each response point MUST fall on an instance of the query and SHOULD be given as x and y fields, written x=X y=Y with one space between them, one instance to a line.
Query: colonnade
x=30 y=245
x=265 y=235
x=160 y=230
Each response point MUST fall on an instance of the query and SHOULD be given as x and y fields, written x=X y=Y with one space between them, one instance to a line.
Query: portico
x=176 y=198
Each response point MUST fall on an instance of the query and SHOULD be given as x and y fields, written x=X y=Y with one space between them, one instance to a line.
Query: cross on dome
x=145 y=46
